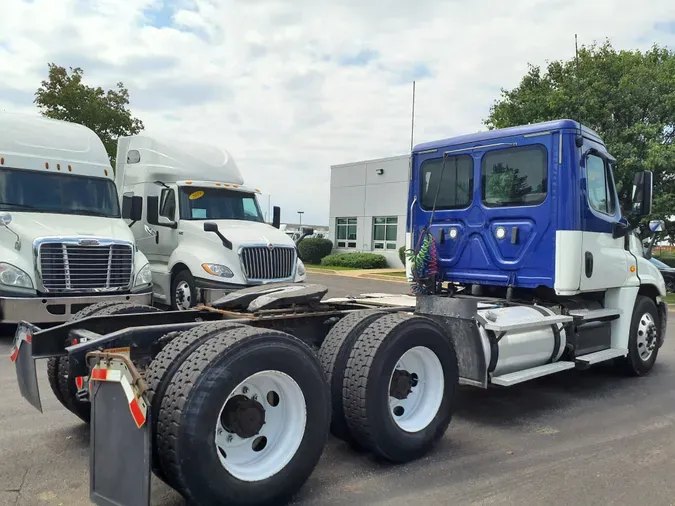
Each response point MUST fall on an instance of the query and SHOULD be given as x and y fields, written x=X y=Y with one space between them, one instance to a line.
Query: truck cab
x=202 y=229
x=530 y=207
x=63 y=242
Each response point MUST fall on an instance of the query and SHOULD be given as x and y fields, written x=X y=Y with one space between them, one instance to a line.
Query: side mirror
x=132 y=208
x=657 y=226
x=276 y=219
x=153 y=210
x=209 y=226
x=5 y=219
x=153 y=214
x=641 y=204
x=304 y=232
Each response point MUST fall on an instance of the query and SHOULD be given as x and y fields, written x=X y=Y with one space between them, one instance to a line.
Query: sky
x=291 y=87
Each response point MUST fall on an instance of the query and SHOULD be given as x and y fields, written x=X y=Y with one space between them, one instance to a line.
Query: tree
x=66 y=97
x=628 y=97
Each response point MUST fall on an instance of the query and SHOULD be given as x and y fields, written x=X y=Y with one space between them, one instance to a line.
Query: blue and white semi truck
x=522 y=265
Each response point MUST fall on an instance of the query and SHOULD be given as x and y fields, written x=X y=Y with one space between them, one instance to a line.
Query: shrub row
x=356 y=260
x=313 y=249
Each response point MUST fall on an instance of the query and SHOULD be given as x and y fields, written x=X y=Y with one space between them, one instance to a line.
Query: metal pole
x=412 y=127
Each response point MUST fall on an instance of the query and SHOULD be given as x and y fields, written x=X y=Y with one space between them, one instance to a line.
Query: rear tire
x=58 y=369
x=400 y=386
x=645 y=329
x=190 y=439
x=334 y=354
x=163 y=368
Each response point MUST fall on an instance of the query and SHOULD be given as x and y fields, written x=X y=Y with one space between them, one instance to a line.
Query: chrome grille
x=71 y=267
x=263 y=263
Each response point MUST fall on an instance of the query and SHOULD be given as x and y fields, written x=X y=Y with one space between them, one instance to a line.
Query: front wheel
x=183 y=291
x=643 y=348
x=400 y=386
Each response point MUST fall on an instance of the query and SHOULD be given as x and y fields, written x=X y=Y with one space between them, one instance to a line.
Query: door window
x=600 y=185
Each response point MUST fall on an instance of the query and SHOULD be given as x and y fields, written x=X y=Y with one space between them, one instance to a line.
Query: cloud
x=290 y=88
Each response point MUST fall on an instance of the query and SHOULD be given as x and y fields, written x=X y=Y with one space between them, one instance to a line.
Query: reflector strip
x=79 y=382
x=15 y=354
x=122 y=376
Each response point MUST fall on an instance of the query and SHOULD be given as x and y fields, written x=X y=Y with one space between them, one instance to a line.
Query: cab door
x=604 y=259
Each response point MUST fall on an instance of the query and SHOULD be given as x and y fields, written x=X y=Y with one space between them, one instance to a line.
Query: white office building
x=368 y=202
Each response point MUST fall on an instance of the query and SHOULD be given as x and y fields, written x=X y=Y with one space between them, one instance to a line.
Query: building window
x=384 y=232
x=346 y=232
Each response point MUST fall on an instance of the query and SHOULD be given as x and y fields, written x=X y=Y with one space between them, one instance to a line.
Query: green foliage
x=402 y=254
x=313 y=249
x=356 y=260
x=628 y=97
x=63 y=96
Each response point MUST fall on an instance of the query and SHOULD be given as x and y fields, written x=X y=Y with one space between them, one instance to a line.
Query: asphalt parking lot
x=586 y=438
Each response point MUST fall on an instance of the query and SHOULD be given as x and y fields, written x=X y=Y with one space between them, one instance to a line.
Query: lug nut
x=245 y=390
x=230 y=439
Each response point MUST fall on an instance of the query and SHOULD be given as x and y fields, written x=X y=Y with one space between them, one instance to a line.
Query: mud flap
x=26 y=372
x=119 y=455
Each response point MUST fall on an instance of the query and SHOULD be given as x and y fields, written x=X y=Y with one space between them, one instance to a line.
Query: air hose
x=424 y=264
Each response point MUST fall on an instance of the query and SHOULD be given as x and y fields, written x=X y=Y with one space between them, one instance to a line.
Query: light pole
x=300 y=213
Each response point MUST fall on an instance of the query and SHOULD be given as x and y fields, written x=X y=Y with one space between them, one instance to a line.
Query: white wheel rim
x=183 y=295
x=416 y=411
x=646 y=337
x=267 y=452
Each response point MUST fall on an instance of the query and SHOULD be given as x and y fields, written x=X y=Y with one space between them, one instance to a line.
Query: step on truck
x=521 y=266
x=63 y=242
x=202 y=229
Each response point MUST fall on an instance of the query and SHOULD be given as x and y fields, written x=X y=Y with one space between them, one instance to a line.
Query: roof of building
x=30 y=141
x=491 y=135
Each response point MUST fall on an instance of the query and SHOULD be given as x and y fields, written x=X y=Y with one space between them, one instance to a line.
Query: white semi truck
x=202 y=230
x=523 y=266
x=63 y=242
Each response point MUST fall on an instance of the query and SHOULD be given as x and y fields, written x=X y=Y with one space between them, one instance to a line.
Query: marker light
x=500 y=232
x=453 y=233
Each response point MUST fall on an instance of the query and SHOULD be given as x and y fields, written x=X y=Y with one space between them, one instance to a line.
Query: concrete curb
x=355 y=274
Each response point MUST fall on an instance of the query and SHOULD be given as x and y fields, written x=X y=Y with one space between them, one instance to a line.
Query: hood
x=30 y=226
x=242 y=232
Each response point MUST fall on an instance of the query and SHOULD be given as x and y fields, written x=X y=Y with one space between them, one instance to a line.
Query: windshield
x=660 y=264
x=218 y=204
x=48 y=192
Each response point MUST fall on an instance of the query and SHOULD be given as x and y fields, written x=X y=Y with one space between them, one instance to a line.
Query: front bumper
x=59 y=309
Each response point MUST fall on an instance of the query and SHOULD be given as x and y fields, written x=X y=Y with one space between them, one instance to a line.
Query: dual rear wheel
x=393 y=380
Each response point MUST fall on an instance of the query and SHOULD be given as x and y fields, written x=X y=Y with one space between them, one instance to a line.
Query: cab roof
x=38 y=143
x=492 y=135
x=147 y=158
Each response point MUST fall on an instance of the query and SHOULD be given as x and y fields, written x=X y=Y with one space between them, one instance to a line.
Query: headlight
x=144 y=276
x=301 y=268
x=218 y=270
x=13 y=276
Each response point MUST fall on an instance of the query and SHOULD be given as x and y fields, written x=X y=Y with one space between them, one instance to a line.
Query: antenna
x=412 y=127
x=579 y=141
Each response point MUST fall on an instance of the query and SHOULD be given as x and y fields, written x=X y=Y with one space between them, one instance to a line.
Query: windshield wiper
x=22 y=206
x=86 y=212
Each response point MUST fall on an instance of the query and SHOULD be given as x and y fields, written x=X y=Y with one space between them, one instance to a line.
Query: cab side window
x=167 y=206
x=600 y=186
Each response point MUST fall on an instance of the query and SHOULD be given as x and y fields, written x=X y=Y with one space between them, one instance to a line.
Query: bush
x=401 y=254
x=313 y=249
x=356 y=260
x=668 y=260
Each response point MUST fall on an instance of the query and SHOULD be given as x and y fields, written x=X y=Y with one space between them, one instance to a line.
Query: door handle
x=588 y=264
